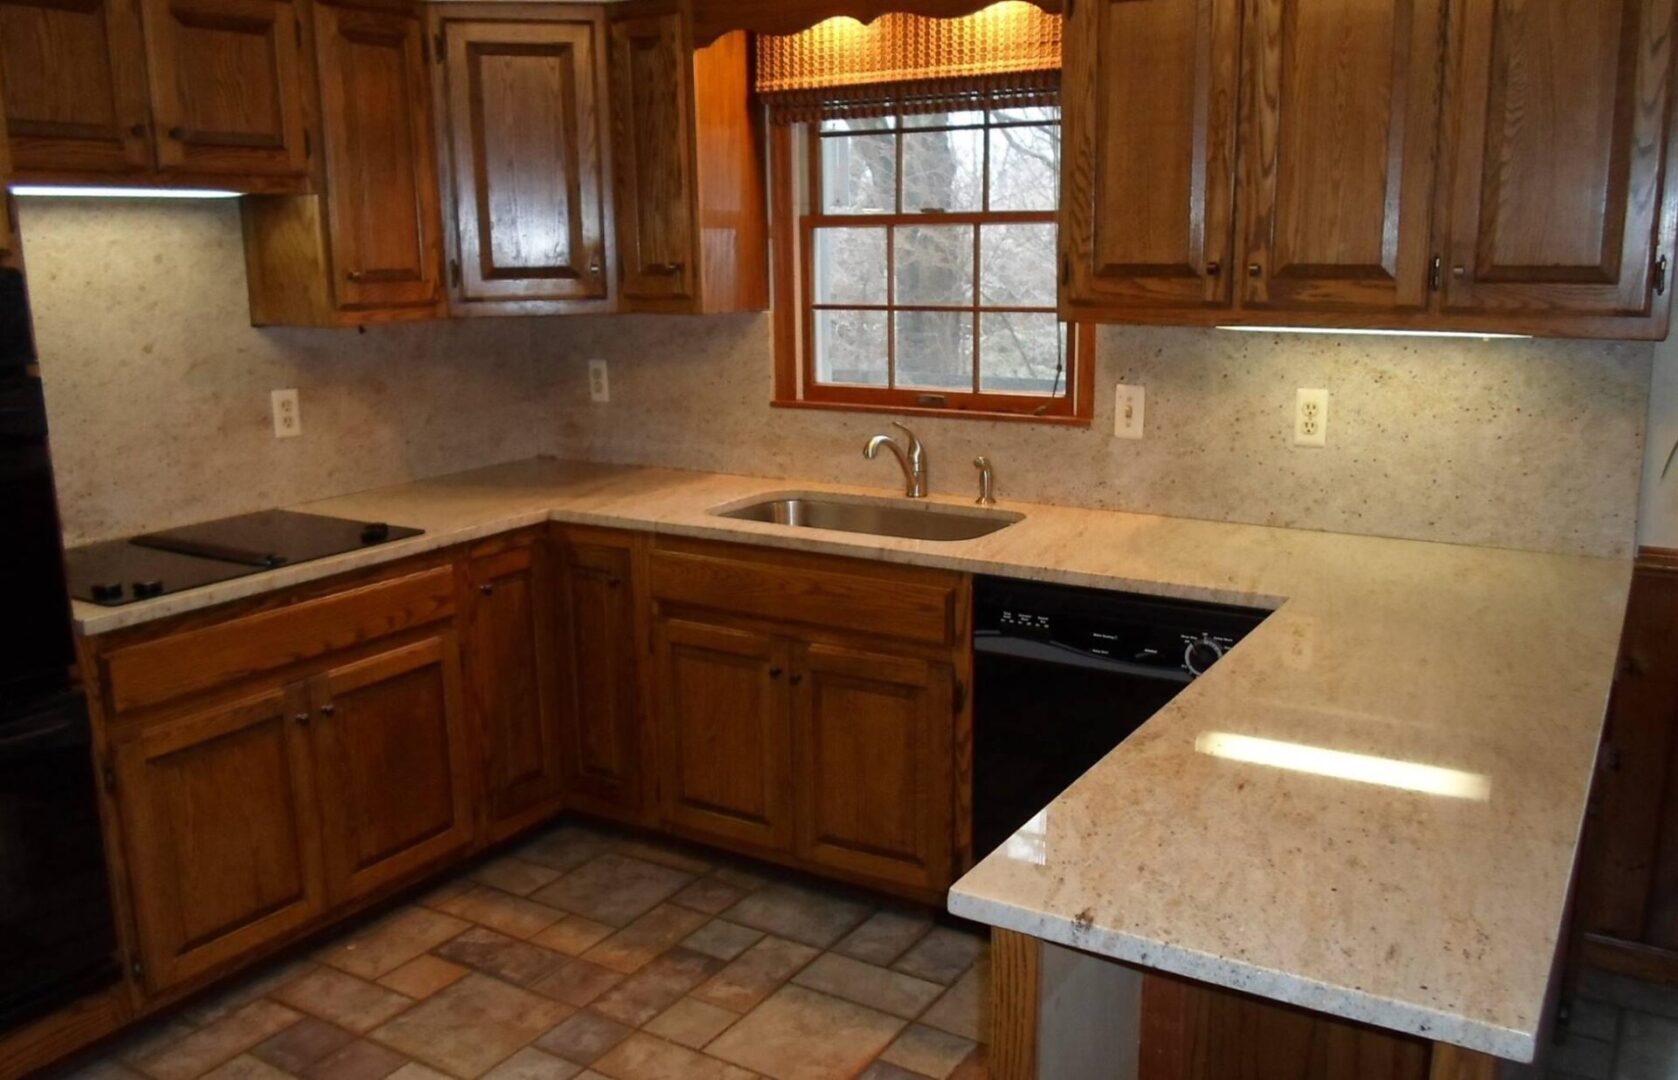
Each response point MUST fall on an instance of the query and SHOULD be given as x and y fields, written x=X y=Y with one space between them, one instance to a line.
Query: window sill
x=942 y=414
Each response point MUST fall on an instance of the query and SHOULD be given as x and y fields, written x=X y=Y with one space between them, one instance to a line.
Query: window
x=923 y=254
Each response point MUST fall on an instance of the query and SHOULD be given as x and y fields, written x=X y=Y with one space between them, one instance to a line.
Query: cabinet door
x=724 y=760
x=394 y=791
x=380 y=175
x=509 y=687
x=1148 y=116
x=524 y=125
x=1559 y=112
x=604 y=742
x=72 y=77
x=222 y=841
x=872 y=744
x=652 y=140
x=7 y=242
x=1339 y=126
x=226 y=86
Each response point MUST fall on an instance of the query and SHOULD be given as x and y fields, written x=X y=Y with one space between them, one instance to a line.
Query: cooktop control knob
x=1201 y=653
x=145 y=590
x=106 y=591
x=375 y=533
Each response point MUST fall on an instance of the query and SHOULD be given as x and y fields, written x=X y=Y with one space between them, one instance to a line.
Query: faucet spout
x=912 y=460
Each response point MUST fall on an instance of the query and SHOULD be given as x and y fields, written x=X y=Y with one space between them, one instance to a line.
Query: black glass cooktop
x=122 y=571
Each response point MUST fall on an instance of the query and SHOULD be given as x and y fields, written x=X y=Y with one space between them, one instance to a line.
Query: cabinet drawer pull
x=178 y=133
x=487 y=590
x=796 y=678
x=613 y=582
x=774 y=673
x=137 y=130
x=594 y=267
x=1213 y=269
x=302 y=718
x=665 y=268
x=355 y=275
x=328 y=709
x=1255 y=270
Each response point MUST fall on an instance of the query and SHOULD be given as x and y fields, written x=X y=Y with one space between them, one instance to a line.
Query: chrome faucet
x=913 y=459
x=987 y=481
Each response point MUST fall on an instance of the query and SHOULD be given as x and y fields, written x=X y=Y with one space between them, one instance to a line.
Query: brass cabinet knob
x=1213 y=269
x=328 y=709
x=487 y=590
x=1255 y=270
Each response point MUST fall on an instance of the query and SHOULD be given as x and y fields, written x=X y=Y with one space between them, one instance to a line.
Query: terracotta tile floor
x=588 y=954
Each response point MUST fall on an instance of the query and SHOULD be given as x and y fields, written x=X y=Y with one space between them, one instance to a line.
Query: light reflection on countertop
x=1345 y=765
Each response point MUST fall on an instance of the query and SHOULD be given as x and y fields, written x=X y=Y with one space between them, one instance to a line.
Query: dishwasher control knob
x=1201 y=653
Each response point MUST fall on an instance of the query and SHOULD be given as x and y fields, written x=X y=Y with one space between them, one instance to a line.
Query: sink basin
x=923 y=521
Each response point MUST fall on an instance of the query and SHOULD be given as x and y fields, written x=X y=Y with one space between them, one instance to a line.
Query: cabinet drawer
x=908 y=605
x=160 y=670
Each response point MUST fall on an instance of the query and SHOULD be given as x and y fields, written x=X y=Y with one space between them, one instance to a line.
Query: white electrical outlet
x=288 y=415
x=1310 y=418
x=1128 y=405
x=598 y=387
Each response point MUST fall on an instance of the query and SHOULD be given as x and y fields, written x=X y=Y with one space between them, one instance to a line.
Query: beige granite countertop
x=1465 y=687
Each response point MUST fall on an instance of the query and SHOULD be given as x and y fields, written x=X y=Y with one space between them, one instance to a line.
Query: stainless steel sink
x=926 y=521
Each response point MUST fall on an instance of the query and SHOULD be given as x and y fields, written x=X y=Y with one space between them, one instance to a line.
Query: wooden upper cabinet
x=522 y=106
x=381 y=189
x=1148 y=125
x=510 y=687
x=73 y=80
x=1558 y=141
x=220 y=831
x=605 y=743
x=390 y=743
x=723 y=753
x=1338 y=130
x=873 y=763
x=227 y=86
x=8 y=240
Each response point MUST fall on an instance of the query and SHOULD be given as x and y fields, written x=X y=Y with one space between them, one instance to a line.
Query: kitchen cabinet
x=873 y=762
x=8 y=228
x=1401 y=164
x=1558 y=135
x=221 y=831
x=368 y=249
x=604 y=760
x=522 y=131
x=395 y=794
x=510 y=668
x=73 y=80
x=227 y=85
x=688 y=179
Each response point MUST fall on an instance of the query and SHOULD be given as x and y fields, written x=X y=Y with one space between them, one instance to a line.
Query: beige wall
x=158 y=387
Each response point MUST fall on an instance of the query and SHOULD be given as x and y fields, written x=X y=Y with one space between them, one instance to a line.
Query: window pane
x=934 y=264
x=859 y=174
x=943 y=119
x=1027 y=114
x=849 y=266
x=850 y=347
x=942 y=170
x=1025 y=168
x=935 y=350
x=1017 y=265
x=860 y=123
x=1018 y=353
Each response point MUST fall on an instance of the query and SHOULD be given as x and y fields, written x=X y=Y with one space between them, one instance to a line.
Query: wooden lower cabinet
x=873 y=763
x=510 y=691
x=395 y=790
x=603 y=723
x=724 y=758
x=221 y=831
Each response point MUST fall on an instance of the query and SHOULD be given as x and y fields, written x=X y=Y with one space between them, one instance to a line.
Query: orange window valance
x=1005 y=54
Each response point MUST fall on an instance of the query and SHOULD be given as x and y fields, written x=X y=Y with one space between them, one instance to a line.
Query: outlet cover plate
x=599 y=388
x=1310 y=418
x=288 y=414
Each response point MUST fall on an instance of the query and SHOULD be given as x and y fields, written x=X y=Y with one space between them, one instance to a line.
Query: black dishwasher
x=1062 y=675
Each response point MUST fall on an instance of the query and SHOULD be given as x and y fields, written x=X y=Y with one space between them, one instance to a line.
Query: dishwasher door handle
x=1049 y=652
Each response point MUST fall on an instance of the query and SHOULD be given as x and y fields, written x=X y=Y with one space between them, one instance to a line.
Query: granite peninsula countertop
x=1224 y=841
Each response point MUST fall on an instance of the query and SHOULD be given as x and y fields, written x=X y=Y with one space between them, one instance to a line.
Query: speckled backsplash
x=157 y=385
x=1525 y=444
x=157 y=390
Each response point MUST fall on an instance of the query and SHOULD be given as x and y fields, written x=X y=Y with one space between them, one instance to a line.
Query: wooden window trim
x=795 y=385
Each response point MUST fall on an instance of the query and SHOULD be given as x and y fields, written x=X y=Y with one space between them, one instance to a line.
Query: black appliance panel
x=40 y=651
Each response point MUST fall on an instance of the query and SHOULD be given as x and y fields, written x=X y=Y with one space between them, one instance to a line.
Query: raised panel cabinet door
x=652 y=91
x=874 y=764
x=724 y=761
x=603 y=717
x=508 y=686
x=226 y=86
x=8 y=241
x=73 y=82
x=220 y=830
x=525 y=134
x=381 y=180
x=395 y=794
x=1339 y=127
x=1559 y=117
x=1148 y=121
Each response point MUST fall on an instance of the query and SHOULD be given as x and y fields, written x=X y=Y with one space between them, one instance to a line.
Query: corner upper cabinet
x=8 y=238
x=1560 y=210
x=1148 y=170
x=522 y=131
x=368 y=249
x=689 y=200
